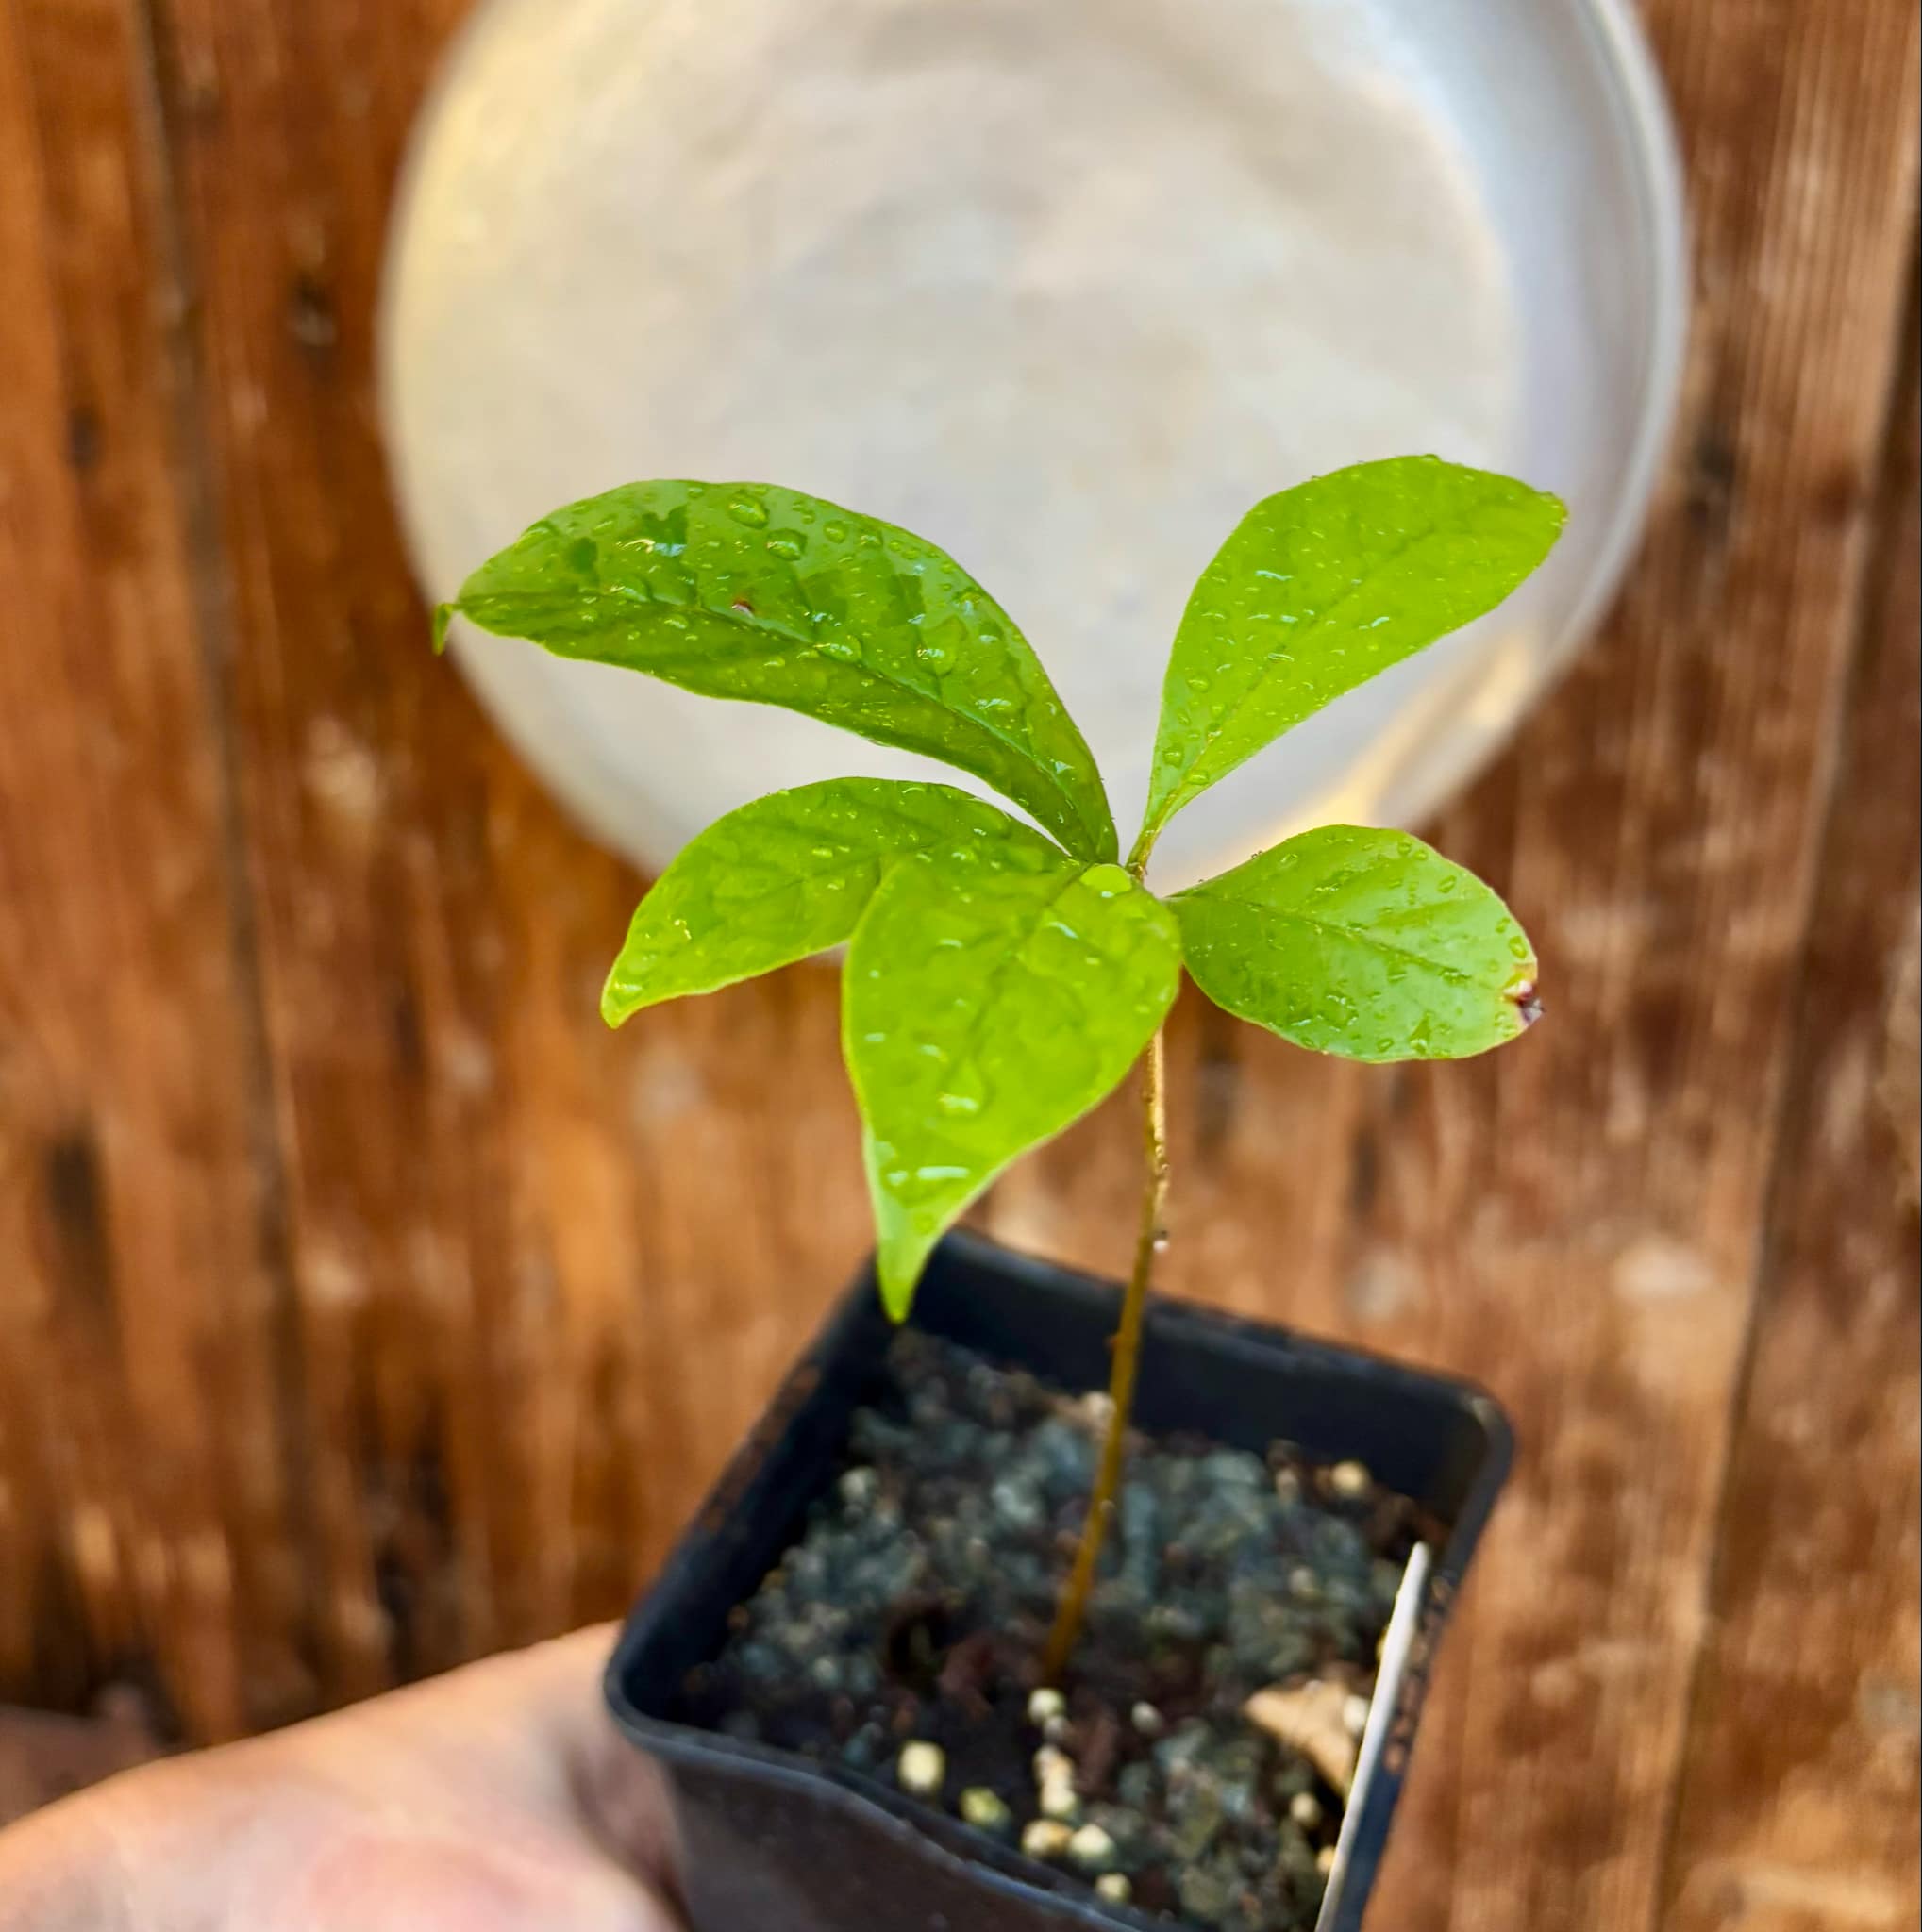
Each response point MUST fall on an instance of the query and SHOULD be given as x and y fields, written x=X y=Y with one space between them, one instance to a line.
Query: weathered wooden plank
x=1798 y=1808
x=1613 y=1269
x=143 y=1499
x=544 y=1275
x=541 y=1278
x=1575 y=1221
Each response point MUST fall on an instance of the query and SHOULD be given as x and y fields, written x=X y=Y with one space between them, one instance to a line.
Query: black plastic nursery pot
x=775 y=1842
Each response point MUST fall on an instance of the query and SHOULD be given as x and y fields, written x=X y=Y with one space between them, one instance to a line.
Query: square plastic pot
x=774 y=1842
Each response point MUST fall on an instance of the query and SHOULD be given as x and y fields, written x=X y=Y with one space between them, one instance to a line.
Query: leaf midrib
x=797 y=882
x=963 y=1055
x=1454 y=973
x=755 y=625
x=860 y=666
x=1320 y=620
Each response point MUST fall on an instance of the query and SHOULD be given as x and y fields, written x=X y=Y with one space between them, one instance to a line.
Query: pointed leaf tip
x=983 y=1009
x=901 y=1280
x=444 y=617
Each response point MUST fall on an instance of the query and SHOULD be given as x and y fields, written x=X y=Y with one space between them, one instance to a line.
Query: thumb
x=540 y=1715
x=621 y=1792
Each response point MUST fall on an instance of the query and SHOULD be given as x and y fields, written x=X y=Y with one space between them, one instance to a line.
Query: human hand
x=496 y=1799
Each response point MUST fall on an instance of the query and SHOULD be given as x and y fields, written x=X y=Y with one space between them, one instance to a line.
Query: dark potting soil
x=913 y=1611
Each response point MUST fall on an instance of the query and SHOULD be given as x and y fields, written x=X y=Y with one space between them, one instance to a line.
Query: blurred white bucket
x=1063 y=285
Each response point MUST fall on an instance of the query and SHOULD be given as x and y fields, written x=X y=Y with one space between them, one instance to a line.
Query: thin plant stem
x=1073 y=1610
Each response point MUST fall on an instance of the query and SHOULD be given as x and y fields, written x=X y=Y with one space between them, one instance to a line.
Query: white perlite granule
x=1065 y=285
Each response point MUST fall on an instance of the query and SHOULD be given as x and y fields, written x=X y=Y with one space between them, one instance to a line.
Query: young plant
x=1001 y=980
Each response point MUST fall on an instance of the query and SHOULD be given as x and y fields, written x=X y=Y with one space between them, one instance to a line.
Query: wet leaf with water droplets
x=752 y=591
x=977 y=1025
x=1322 y=586
x=1359 y=942
x=792 y=874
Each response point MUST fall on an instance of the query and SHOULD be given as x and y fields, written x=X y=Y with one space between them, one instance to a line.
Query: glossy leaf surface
x=983 y=1011
x=787 y=876
x=752 y=591
x=1321 y=588
x=1364 y=943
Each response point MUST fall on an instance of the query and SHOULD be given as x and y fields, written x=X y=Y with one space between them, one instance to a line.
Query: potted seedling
x=1030 y=1605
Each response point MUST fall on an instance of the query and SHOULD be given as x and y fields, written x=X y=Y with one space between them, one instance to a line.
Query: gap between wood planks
x=198 y=450
x=1888 y=543
x=199 y=480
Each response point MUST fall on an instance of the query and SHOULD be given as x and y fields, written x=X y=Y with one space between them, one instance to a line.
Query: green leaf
x=791 y=874
x=1324 y=585
x=748 y=590
x=1362 y=942
x=983 y=1010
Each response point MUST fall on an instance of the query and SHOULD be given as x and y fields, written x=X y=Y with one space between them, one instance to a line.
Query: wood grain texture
x=1798 y=1808
x=510 y=1236
x=143 y=1509
x=364 y=1304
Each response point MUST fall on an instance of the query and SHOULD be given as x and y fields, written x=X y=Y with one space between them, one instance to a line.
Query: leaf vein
x=1359 y=935
x=1315 y=624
